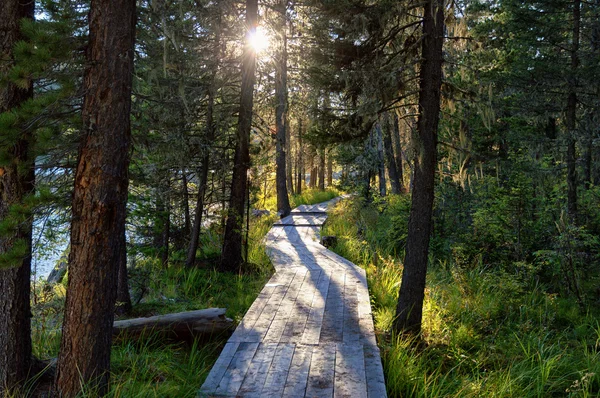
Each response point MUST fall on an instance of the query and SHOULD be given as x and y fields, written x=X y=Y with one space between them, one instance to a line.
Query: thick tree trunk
x=571 y=117
x=381 y=161
x=283 y=202
x=231 y=257
x=390 y=161
x=16 y=182
x=412 y=290
x=99 y=200
x=300 y=159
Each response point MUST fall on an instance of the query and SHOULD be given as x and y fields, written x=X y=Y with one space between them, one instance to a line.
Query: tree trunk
x=186 y=201
x=231 y=257
x=166 y=230
x=322 y=169
x=283 y=203
x=412 y=290
x=300 y=159
x=380 y=161
x=181 y=325
x=288 y=157
x=99 y=200
x=329 y=169
x=571 y=117
x=123 y=302
x=312 y=183
x=390 y=161
x=398 y=153
x=16 y=182
x=204 y=165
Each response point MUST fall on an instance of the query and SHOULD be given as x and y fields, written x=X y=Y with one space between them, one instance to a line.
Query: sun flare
x=259 y=40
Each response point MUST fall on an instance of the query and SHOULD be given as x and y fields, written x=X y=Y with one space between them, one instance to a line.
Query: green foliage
x=487 y=332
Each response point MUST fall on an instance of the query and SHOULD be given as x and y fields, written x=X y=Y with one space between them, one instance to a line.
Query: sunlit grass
x=486 y=333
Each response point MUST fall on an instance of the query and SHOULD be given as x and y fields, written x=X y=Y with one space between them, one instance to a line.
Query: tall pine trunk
x=99 y=200
x=16 y=182
x=322 y=169
x=300 y=160
x=123 y=301
x=571 y=116
x=283 y=202
x=380 y=161
x=412 y=290
x=398 y=153
x=390 y=161
x=231 y=257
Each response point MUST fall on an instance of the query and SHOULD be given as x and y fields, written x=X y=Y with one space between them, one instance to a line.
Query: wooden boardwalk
x=310 y=331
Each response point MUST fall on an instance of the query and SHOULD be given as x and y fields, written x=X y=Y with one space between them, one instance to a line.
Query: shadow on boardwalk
x=310 y=331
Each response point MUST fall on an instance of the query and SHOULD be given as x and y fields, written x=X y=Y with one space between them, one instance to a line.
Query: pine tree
x=99 y=200
x=16 y=183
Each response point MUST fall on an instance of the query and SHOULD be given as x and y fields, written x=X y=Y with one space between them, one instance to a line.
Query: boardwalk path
x=310 y=331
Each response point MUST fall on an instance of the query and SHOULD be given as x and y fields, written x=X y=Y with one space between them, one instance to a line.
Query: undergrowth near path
x=151 y=367
x=488 y=332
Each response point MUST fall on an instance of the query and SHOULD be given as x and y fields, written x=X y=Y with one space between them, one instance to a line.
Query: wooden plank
x=278 y=282
x=262 y=324
x=278 y=372
x=295 y=385
x=285 y=309
x=374 y=372
x=257 y=372
x=312 y=330
x=365 y=316
x=350 y=376
x=232 y=379
x=333 y=319
x=294 y=328
x=322 y=371
x=351 y=332
x=219 y=368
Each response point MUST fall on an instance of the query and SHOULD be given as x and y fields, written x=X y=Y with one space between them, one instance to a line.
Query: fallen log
x=181 y=325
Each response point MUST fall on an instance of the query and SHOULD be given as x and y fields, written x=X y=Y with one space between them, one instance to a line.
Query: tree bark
x=231 y=257
x=123 y=301
x=571 y=116
x=300 y=159
x=380 y=161
x=390 y=161
x=99 y=200
x=322 y=169
x=181 y=325
x=186 y=201
x=398 y=153
x=283 y=202
x=16 y=182
x=412 y=290
x=329 y=169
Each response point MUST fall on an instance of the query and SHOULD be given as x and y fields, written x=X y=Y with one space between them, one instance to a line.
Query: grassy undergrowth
x=152 y=367
x=487 y=332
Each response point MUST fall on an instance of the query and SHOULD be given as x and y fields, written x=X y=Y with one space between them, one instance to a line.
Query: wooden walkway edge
x=310 y=331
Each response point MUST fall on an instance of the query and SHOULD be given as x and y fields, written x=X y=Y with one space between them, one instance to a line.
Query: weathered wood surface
x=310 y=331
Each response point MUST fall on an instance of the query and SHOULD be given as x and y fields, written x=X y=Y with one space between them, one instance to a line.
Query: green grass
x=487 y=333
x=151 y=367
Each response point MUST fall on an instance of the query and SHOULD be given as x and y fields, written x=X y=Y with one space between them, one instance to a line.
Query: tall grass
x=487 y=333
